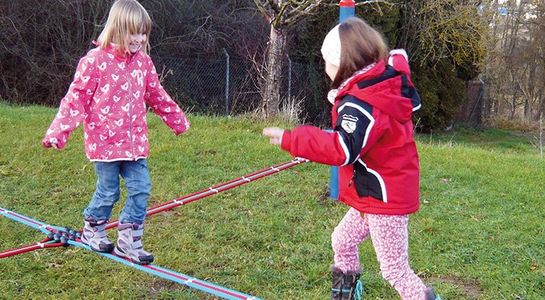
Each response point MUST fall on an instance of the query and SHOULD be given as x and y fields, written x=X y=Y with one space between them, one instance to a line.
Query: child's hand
x=275 y=134
x=50 y=143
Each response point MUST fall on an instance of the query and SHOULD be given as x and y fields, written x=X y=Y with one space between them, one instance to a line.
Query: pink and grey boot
x=94 y=235
x=129 y=243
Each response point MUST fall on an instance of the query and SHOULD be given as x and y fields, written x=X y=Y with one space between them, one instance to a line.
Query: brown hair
x=361 y=45
x=126 y=17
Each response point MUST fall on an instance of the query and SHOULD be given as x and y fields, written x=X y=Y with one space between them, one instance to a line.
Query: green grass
x=493 y=139
x=479 y=234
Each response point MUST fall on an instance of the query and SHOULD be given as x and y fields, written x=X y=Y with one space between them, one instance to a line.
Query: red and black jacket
x=372 y=141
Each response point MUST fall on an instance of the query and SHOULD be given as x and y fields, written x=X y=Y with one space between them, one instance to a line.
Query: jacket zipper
x=127 y=74
x=353 y=176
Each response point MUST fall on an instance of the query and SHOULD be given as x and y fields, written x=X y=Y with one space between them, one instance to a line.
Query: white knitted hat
x=331 y=47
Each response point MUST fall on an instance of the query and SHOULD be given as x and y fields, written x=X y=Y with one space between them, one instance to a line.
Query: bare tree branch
x=274 y=6
x=263 y=11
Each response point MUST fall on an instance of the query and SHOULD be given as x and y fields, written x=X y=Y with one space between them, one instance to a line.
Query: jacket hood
x=386 y=86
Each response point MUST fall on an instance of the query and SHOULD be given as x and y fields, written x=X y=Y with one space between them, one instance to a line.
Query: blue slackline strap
x=26 y=220
x=180 y=278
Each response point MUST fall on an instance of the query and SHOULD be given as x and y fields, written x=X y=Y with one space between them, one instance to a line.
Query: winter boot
x=95 y=237
x=129 y=243
x=431 y=295
x=346 y=286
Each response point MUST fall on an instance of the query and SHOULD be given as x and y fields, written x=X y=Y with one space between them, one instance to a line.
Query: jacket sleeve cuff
x=286 y=141
x=180 y=129
x=183 y=127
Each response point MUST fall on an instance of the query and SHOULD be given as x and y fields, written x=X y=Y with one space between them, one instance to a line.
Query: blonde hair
x=126 y=17
x=361 y=45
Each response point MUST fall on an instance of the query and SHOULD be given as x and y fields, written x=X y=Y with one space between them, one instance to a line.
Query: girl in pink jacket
x=112 y=86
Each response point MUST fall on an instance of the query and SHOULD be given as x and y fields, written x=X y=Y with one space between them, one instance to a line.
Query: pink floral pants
x=389 y=235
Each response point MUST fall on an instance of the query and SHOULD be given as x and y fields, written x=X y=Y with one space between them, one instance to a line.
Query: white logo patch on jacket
x=348 y=123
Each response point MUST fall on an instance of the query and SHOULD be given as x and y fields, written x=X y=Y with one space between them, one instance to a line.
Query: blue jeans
x=138 y=183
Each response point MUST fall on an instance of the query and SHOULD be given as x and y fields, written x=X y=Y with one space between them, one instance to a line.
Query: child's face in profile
x=136 y=41
x=330 y=69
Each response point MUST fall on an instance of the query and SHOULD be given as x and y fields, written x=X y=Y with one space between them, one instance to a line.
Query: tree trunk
x=275 y=60
x=514 y=105
x=541 y=99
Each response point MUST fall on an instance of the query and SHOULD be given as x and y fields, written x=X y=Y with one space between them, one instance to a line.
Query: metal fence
x=225 y=85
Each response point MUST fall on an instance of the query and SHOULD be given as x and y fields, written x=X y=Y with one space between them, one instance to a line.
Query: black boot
x=346 y=286
x=431 y=295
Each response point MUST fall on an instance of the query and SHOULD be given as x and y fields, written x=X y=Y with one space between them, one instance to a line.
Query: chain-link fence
x=225 y=85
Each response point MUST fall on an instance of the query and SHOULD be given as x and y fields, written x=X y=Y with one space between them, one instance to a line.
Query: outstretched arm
x=351 y=136
x=162 y=104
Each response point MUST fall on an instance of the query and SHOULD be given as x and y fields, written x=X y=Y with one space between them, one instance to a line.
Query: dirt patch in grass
x=156 y=287
x=324 y=199
x=470 y=287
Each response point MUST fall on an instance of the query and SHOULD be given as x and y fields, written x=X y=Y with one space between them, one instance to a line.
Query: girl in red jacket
x=113 y=84
x=373 y=100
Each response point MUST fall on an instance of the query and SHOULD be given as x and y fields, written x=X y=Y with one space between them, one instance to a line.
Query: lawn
x=479 y=234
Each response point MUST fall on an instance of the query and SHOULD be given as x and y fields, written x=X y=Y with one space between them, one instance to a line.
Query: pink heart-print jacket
x=109 y=95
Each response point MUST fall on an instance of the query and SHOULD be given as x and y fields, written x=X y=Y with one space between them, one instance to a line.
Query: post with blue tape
x=347 y=9
x=334 y=183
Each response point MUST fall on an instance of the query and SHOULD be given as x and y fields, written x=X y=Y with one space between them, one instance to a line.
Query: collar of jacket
x=334 y=93
x=370 y=71
x=126 y=56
